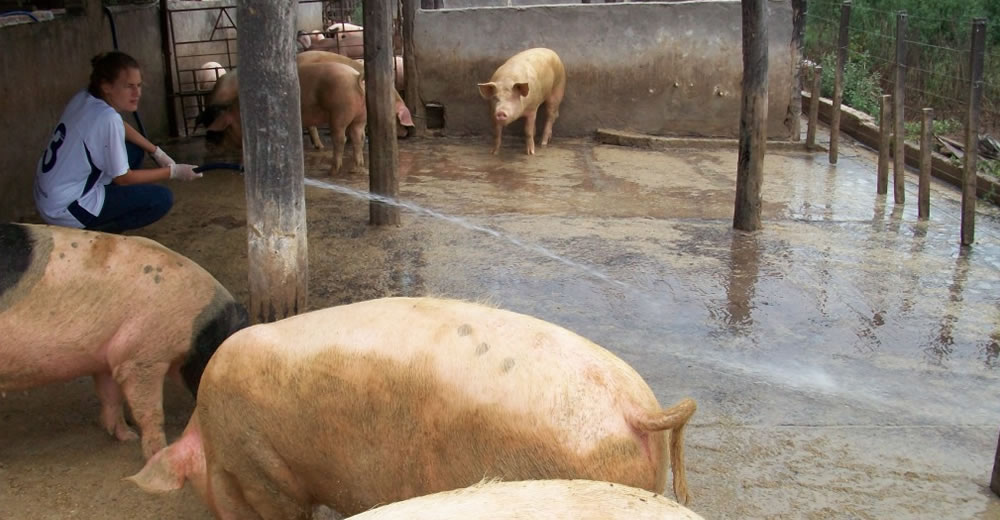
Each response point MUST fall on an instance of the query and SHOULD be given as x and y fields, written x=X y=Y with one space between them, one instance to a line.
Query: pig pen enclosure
x=845 y=359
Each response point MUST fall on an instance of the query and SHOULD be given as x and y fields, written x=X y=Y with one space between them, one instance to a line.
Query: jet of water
x=464 y=223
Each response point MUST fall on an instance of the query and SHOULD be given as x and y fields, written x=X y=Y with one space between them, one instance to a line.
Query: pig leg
x=226 y=497
x=551 y=113
x=314 y=137
x=339 y=141
x=112 y=409
x=497 y=132
x=357 y=130
x=529 y=131
x=142 y=384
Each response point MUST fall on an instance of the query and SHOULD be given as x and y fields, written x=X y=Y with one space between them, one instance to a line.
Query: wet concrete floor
x=845 y=359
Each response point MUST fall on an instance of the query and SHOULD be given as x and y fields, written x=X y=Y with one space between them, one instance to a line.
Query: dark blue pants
x=128 y=207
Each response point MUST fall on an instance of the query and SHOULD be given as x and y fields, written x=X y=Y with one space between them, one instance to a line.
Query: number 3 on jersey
x=49 y=160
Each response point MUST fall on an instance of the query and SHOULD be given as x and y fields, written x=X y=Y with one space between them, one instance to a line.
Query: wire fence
x=937 y=62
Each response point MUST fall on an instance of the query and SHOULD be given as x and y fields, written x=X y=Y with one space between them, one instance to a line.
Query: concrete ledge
x=652 y=142
x=862 y=127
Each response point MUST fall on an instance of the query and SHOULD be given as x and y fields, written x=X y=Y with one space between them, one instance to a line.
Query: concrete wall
x=43 y=65
x=659 y=68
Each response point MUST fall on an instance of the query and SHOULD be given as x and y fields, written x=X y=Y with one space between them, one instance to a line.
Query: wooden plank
x=753 y=117
x=383 y=151
x=797 y=50
x=273 y=163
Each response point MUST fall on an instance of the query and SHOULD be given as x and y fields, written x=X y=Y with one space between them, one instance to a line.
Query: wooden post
x=899 y=139
x=412 y=75
x=797 y=45
x=383 y=152
x=924 y=190
x=814 y=108
x=275 y=192
x=884 y=131
x=753 y=117
x=995 y=480
x=838 y=82
x=972 y=131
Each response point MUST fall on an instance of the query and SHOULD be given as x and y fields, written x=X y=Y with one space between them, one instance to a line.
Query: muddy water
x=845 y=358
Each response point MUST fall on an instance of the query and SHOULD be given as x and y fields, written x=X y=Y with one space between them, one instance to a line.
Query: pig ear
x=403 y=114
x=158 y=475
x=521 y=88
x=487 y=90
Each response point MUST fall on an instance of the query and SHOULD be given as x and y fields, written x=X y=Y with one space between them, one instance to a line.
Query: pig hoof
x=125 y=434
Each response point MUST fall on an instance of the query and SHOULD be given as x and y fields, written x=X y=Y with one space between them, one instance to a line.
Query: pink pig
x=525 y=81
x=123 y=309
x=384 y=400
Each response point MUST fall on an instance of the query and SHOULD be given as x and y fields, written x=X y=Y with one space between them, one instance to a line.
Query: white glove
x=162 y=158
x=183 y=172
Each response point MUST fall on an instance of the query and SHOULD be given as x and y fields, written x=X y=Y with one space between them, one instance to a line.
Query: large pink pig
x=331 y=94
x=123 y=309
x=536 y=500
x=525 y=81
x=403 y=118
x=384 y=400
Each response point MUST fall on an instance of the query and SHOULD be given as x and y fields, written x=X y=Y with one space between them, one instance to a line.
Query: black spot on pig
x=219 y=320
x=16 y=247
x=482 y=348
x=147 y=269
x=465 y=330
x=508 y=364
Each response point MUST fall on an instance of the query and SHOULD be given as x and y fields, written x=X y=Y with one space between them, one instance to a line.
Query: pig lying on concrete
x=384 y=400
x=536 y=500
x=403 y=118
x=331 y=94
x=525 y=81
x=124 y=309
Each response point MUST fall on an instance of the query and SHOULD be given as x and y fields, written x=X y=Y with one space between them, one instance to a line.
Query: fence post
x=884 y=143
x=995 y=480
x=899 y=140
x=814 y=108
x=798 y=41
x=924 y=191
x=383 y=151
x=411 y=74
x=838 y=82
x=277 y=248
x=972 y=131
x=753 y=117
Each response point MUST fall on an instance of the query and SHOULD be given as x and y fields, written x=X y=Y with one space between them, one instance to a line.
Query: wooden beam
x=884 y=143
x=814 y=108
x=838 y=79
x=272 y=154
x=899 y=137
x=383 y=152
x=797 y=49
x=972 y=131
x=924 y=188
x=753 y=117
x=412 y=75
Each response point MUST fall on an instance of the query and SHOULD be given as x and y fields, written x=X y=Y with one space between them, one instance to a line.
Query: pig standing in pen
x=525 y=81
x=403 y=118
x=384 y=400
x=125 y=310
x=536 y=500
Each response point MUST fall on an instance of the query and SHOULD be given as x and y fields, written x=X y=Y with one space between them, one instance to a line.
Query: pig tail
x=105 y=68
